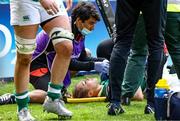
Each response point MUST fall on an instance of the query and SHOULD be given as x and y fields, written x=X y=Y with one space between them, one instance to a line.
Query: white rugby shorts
x=28 y=12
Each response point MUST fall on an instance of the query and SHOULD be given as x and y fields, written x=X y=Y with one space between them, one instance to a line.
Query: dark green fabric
x=52 y=95
x=173 y=39
x=55 y=86
x=104 y=84
x=134 y=73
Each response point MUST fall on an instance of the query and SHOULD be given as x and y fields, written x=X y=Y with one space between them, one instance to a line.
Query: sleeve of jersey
x=76 y=65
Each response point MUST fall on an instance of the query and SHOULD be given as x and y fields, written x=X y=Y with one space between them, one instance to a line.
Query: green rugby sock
x=22 y=100
x=54 y=90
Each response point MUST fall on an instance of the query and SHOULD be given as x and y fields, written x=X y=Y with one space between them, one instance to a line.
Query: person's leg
x=25 y=20
x=37 y=96
x=126 y=18
x=172 y=38
x=63 y=48
x=134 y=72
x=24 y=35
x=156 y=10
x=59 y=31
x=133 y=79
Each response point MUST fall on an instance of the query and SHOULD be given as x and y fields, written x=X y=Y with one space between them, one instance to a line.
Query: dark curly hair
x=85 y=10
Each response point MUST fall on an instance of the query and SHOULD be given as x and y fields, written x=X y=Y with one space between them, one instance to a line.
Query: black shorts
x=39 y=73
x=40 y=82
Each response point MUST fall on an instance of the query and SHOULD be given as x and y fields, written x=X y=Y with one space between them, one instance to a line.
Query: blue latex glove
x=102 y=67
x=106 y=61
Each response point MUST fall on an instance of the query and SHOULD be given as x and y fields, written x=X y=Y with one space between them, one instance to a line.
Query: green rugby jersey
x=104 y=90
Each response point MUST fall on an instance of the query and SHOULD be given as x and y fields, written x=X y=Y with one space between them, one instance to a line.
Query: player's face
x=90 y=84
x=88 y=24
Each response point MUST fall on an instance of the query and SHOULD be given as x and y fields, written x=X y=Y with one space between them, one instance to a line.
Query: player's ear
x=90 y=93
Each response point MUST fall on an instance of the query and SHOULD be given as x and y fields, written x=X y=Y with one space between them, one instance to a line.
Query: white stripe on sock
x=50 y=89
x=23 y=96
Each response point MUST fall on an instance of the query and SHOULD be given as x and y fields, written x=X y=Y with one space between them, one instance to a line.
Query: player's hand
x=68 y=4
x=50 y=6
x=102 y=67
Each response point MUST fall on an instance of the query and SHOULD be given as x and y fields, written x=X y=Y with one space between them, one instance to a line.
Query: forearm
x=91 y=59
x=76 y=65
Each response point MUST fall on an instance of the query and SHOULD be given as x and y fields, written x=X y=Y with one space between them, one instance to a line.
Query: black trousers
x=127 y=13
